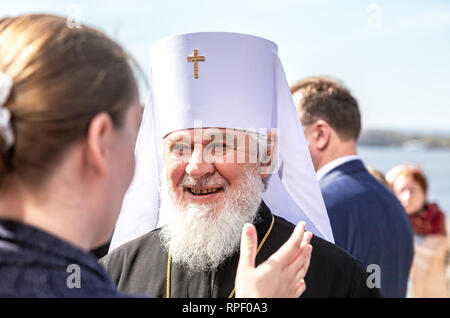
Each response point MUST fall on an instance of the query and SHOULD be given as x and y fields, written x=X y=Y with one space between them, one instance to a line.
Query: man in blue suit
x=366 y=218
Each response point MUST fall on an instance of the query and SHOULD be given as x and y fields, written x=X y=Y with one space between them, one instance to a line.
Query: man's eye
x=179 y=149
x=217 y=147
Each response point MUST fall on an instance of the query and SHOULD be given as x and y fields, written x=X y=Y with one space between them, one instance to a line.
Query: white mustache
x=209 y=181
x=196 y=238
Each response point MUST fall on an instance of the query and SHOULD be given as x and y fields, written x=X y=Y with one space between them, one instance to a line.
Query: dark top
x=140 y=266
x=34 y=263
x=370 y=223
x=102 y=250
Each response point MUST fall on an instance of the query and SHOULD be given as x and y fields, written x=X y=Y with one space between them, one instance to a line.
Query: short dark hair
x=327 y=99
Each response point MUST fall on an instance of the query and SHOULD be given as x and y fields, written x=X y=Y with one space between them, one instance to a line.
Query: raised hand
x=282 y=274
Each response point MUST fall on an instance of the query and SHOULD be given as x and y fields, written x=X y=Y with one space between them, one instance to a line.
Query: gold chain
x=169 y=265
x=169 y=261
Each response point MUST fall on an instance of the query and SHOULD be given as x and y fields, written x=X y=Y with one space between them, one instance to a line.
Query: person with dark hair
x=366 y=218
x=69 y=119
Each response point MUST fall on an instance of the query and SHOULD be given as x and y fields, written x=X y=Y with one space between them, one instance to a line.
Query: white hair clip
x=6 y=131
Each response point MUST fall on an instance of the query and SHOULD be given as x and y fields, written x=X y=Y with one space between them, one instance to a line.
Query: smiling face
x=204 y=166
x=213 y=186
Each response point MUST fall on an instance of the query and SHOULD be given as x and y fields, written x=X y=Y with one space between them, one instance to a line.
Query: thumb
x=249 y=242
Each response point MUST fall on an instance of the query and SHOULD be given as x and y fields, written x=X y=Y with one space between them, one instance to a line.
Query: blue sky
x=393 y=55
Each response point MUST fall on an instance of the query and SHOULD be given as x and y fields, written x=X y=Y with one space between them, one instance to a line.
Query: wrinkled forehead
x=220 y=145
x=198 y=135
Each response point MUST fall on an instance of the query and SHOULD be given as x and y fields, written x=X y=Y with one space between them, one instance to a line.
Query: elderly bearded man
x=209 y=92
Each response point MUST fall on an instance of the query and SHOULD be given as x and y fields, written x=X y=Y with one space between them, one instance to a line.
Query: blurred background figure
x=429 y=277
x=409 y=184
x=377 y=174
x=366 y=218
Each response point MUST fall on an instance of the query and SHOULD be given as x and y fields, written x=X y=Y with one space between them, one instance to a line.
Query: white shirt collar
x=333 y=164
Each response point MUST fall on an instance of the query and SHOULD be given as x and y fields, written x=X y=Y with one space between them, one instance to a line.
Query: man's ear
x=268 y=159
x=97 y=143
x=320 y=134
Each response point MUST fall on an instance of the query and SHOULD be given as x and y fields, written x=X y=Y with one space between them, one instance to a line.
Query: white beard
x=200 y=239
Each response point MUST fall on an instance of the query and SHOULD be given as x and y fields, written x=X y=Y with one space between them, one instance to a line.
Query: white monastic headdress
x=226 y=80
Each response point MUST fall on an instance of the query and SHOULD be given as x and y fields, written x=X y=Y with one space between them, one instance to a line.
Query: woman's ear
x=267 y=159
x=99 y=139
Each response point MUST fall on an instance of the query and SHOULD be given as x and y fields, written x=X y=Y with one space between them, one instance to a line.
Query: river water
x=435 y=162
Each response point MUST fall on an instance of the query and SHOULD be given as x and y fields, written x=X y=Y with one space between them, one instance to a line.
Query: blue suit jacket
x=369 y=222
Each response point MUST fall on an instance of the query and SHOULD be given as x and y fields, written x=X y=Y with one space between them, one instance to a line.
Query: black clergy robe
x=140 y=267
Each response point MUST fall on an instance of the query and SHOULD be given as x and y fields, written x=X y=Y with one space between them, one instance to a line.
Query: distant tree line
x=399 y=139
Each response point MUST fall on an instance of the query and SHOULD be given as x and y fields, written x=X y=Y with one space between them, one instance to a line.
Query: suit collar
x=333 y=164
x=352 y=166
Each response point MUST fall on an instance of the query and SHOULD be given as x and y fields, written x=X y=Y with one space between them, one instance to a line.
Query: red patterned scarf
x=429 y=220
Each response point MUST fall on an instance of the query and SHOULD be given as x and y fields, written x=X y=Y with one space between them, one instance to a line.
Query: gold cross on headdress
x=196 y=59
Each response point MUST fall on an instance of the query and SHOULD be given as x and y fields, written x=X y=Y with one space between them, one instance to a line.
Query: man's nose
x=197 y=166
